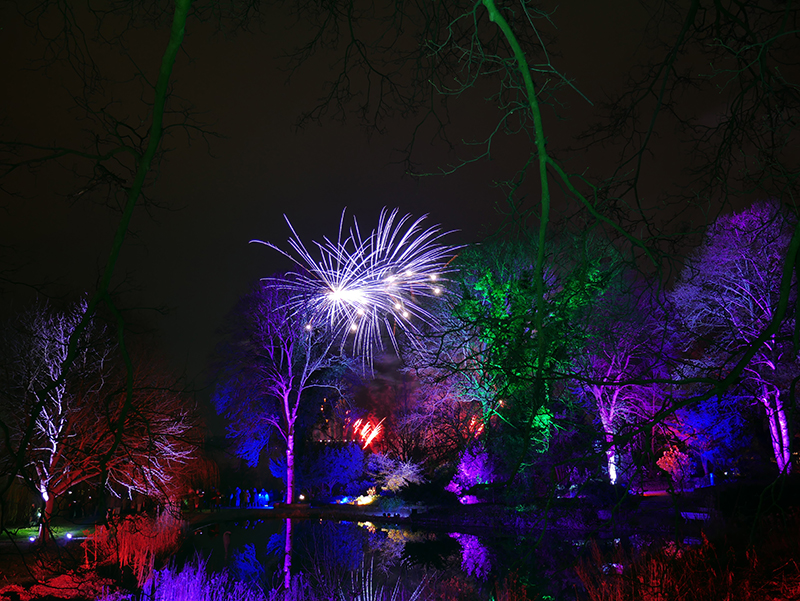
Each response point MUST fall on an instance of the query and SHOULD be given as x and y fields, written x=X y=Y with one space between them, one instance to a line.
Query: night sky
x=190 y=255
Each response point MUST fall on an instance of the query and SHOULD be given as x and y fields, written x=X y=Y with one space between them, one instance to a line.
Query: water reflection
x=339 y=555
x=287 y=555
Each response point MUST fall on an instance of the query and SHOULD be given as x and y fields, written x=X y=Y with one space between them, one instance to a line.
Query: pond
x=447 y=564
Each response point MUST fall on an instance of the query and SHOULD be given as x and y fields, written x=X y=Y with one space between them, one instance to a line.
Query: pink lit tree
x=728 y=295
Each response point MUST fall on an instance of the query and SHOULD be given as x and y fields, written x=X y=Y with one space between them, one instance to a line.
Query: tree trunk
x=47 y=515
x=611 y=449
x=779 y=437
x=611 y=458
x=290 y=468
x=778 y=430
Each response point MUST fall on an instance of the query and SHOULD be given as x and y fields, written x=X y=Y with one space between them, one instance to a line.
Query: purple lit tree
x=277 y=361
x=616 y=366
x=610 y=374
x=728 y=295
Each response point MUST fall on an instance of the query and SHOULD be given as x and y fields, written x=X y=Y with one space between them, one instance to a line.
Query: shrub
x=677 y=464
x=392 y=474
x=474 y=467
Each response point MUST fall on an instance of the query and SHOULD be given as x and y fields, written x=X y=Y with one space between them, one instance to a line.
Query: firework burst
x=366 y=288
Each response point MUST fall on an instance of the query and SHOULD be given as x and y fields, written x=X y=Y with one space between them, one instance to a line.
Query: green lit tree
x=490 y=346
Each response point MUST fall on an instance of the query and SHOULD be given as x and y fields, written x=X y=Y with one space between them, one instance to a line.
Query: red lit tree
x=728 y=295
x=68 y=425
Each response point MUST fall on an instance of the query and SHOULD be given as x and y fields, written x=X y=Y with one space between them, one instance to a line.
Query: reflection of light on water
x=368 y=525
x=475 y=559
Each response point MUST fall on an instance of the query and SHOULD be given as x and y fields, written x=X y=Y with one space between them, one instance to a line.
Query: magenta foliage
x=475 y=467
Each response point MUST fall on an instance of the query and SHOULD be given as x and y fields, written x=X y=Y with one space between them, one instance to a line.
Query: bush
x=474 y=467
x=677 y=464
x=392 y=474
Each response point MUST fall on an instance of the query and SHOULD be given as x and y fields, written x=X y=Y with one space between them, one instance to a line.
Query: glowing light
x=364 y=277
x=302 y=497
x=69 y=535
x=369 y=526
x=32 y=538
x=308 y=327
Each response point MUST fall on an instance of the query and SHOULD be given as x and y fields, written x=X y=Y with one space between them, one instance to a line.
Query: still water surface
x=457 y=565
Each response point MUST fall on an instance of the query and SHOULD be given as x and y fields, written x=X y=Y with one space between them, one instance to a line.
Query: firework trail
x=365 y=288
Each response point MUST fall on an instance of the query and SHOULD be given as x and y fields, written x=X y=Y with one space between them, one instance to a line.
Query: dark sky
x=193 y=256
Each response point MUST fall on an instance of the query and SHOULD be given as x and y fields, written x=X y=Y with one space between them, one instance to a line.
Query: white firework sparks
x=363 y=288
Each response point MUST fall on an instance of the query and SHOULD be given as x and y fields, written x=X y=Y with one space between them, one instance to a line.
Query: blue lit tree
x=714 y=429
x=276 y=362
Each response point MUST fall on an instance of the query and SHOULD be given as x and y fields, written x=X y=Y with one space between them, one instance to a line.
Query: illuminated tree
x=276 y=361
x=727 y=297
x=715 y=430
x=492 y=347
x=84 y=431
x=624 y=351
x=112 y=163
x=486 y=347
